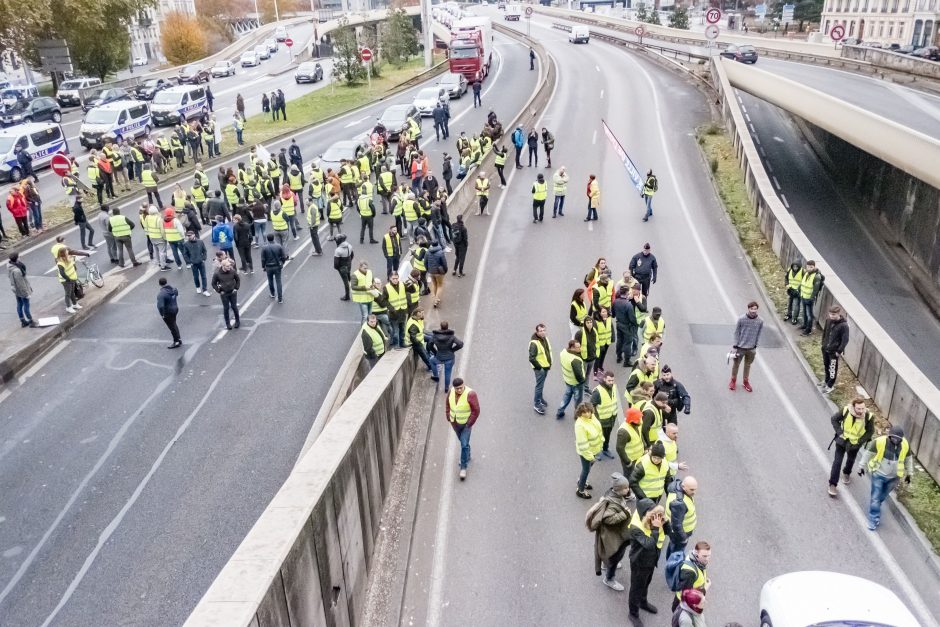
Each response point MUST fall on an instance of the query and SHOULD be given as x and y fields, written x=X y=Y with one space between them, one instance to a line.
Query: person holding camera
x=648 y=530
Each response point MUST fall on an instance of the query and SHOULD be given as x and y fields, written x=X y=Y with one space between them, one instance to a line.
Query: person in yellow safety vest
x=648 y=530
x=335 y=215
x=602 y=293
x=289 y=206
x=810 y=285
x=483 y=193
x=462 y=410
x=244 y=175
x=296 y=181
x=70 y=184
x=540 y=356
x=357 y=175
x=398 y=209
x=360 y=284
x=500 y=162
x=68 y=277
x=853 y=426
x=792 y=280
x=589 y=440
x=669 y=436
x=313 y=222
x=587 y=337
x=650 y=186
x=574 y=374
x=95 y=178
x=605 y=337
x=485 y=145
x=120 y=228
x=385 y=184
x=466 y=162
x=365 y=167
x=539 y=194
x=366 y=212
x=410 y=214
x=654 y=324
x=653 y=419
x=605 y=401
x=347 y=183
x=414 y=131
x=373 y=340
x=178 y=201
x=208 y=136
x=176 y=145
x=594 y=198
x=654 y=347
x=413 y=289
x=232 y=195
x=630 y=445
x=645 y=371
x=153 y=227
x=681 y=512
x=406 y=330
x=649 y=476
x=274 y=171
x=888 y=460
x=174 y=233
x=315 y=196
x=693 y=577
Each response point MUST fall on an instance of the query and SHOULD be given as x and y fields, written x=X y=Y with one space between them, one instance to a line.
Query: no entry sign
x=288 y=42
x=60 y=164
x=365 y=54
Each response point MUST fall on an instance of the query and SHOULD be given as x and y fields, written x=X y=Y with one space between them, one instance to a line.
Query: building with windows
x=903 y=22
x=145 y=28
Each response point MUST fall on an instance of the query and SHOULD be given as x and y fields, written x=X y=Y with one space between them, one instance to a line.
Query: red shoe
x=732 y=385
x=747 y=386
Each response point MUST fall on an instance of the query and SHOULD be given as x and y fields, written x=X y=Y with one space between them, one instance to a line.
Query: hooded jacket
x=644 y=550
x=835 y=335
x=166 y=300
x=436 y=260
x=194 y=251
x=615 y=526
x=444 y=343
x=518 y=137
x=677 y=511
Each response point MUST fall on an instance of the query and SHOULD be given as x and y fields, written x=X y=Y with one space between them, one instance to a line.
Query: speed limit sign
x=712 y=15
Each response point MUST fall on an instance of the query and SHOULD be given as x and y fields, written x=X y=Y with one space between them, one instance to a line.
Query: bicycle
x=89 y=273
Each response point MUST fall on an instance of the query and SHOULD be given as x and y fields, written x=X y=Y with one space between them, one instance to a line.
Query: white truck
x=579 y=34
x=513 y=13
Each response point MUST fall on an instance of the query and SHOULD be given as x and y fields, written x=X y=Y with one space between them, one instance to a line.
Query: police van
x=41 y=139
x=178 y=104
x=124 y=118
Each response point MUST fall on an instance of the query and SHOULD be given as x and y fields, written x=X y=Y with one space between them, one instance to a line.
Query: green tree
x=399 y=38
x=679 y=18
x=346 y=63
x=654 y=18
x=369 y=38
x=808 y=11
x=641 y=14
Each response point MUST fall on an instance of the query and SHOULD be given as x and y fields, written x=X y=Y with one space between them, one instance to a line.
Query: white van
x=124 y=118
x=41 y=139
x=68 y=94
x=579 y=34
x=178 y=104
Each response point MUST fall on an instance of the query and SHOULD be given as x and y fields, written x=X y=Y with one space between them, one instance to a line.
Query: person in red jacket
x=16 y=204
x=462 y=410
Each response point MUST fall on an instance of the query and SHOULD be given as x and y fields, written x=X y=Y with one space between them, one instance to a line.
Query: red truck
x=471 y=47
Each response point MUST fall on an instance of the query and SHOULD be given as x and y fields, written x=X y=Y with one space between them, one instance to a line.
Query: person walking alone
x=888 y=460
x=462 y=410
x=650 y=186
x=16 y=271
x=559 y=189
x=443 y=345
x=746 y=338
x=540 y=356
x=226 y=282
x=272 y=260
x=594 y=198
x=483 y=193
x=460 y=237
x=477 y=87
x=612 y=534
x=834 y=340
x=539 y=194
x=168 y=308
x=548 y=145
x=195 y=254
x=644 y=268
x=853 y=425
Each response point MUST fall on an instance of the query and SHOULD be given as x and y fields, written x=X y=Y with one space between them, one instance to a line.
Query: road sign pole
x=369 y=74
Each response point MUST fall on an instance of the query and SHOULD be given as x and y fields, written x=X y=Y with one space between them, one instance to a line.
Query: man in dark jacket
x=447 y=172
x=194 y=253
x=644 y=268
x=444 y=343
x=853 y=426
x=342 y=262
x=431 y=185
x=241 y=232
x=679 y=398
x=295 y=156
x=834 y=340
x=226 y=282
x=437 y=268
x=166 y=305
x=477 y=86
x=438 y=115
x=216 y=206
x=647 y=529
x=693 y=571
x=272 y=260
x=680 y=512
x=627 y=304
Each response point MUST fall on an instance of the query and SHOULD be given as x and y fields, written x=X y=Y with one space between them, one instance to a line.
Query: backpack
x=457 y=236
x=674 y=563
x=594 y=516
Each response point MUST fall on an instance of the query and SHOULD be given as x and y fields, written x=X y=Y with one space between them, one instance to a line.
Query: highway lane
x=132 y=472
x=508 y=546
x=828 y=213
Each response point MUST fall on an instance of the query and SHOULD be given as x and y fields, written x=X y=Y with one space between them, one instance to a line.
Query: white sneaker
x=613 y=584
x=77 y=306
x=207 y=293
x=70 y=310
x=199 y=290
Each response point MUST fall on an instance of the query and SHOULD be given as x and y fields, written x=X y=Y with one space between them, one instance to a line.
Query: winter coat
x=16 y=203
x=615 y=527
x=435 y=259
x=444 y=343
x=166 y=300
x=226 y=282
x=518 y=137
x=835 y=336
x=18 y=281
x=242 y=234
x=194 y=251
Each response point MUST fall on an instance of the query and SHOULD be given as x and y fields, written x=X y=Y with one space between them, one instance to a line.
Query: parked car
x=905 y=50
x=262 y=51
x=872 y=44
x=851 y=41
x=280 y=33
x=744 y=54
x=68 y=94
x=195 y=74
x=892 y=47
x=139 y=61
x=104 y=97
x=394 y=119
x=823 y=598
x=931 y=53
x=308 y=72
x=223 y=68
x=271 y=44
x=148 y=89
x=40 y=109
x=427 y=99
x=249 y=58
x=454 y=83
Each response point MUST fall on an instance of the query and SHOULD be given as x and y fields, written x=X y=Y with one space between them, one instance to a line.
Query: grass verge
x=922 y=497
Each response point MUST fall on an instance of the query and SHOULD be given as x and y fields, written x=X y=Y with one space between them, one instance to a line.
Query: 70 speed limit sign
x=712 y=15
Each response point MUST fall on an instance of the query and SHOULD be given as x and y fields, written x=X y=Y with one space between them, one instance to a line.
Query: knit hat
x=619 y=481
x=643 y=506
x=634 y=416
x=657 y=450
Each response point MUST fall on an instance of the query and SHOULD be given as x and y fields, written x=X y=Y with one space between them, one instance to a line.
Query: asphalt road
x=131 y=473
x=827 y=212
x=508 y=546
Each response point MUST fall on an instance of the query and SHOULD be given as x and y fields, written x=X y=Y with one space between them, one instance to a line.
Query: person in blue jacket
x=222 y=237
x=518 y=140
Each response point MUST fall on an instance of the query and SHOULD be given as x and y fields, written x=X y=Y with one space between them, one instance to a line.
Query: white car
x=222 y=68
x=262 y=51
x=271 y=44
x=249 y=58
x=427 y=99
x=280 y=33
x=811 y=598
x=139 y=61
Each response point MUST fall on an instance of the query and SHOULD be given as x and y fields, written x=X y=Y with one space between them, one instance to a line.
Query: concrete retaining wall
x=893 y=61
x=902 y=392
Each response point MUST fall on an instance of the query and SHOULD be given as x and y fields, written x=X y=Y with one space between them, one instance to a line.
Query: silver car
x=454 y=83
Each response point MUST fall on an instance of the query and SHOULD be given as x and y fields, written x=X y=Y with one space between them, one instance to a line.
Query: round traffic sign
x=528 y=11
x=288 y=42
x=61 y=164
x=712 y=15
x=837 y=32
x=711 y=31
x=365 y=54
x=639 y=30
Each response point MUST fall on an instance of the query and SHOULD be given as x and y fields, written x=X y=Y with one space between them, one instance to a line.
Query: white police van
x=41 y=139
x=124 y=118
x=178 y=104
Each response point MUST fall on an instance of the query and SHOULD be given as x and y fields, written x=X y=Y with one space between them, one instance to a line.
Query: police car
x=178 y=104
x=41 y=139
x=125 y=118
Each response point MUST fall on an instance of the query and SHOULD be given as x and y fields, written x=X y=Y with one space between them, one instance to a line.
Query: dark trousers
x=438 y=131
x=108 y=183
x=461 y=252
x=502 y=177
x=830 y=367
x=420 y=351
x=599 y=362
x=450 y=190
x=85 y=227
x=170 y=321
x=622 y=346
x=614 y=559
x=645 y=281
x=274 y=282
x=793 y=306
x=843 y=450
x=230 y=302
x=518 y=156
x=99 y=191
x=315 y=238
x=244 y=255
x=591 y=212
x=808 y=314
x=154 y=193
x=606 y=429
x=538 y=210
x=640 y=578
x=391 y=264
x=344 y=277
x=367 y=222
x=533 y=152
x=124 y=243
x=483 y=201
x=199 y=275
x=23 y=225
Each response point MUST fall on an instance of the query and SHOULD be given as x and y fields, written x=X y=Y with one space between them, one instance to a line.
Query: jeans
x=364 y=310
x=843 y=450
x=230 y=302
x=199 y=276
x=463 y=434
x=648 y=198
x=502 y=177
x=292 y=224
x=793 y=307
x=112 y=246
x=274 y=283
x=84 y=227
x=448 y=369
x=881 y=487
x=558 y=207
x=69 y=288
x=533 y=152
x=585 y=471
x=591 y=212
x=518 y=156
x=170 y=320
x=396 y=336
x=572 y=392
x=22 y=308
x=391 y=264
x=259 y=231
x=238 y=136
x=477 y=101
x=808 y=314
x=282 y=238
x=35 y=211
x=421 y=352
x=540 y=375
x=177 y=248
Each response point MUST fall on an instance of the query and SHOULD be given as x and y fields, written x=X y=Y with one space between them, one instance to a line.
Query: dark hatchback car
x=395 y=117
x=744 y=54
x=194 y=74
x=104 y=97
x=148 y=89
x=35 y=110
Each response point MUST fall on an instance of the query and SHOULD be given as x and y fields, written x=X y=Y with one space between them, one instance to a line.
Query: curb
x=11 y=366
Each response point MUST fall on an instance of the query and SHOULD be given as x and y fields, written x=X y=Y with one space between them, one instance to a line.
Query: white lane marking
x=602 y=94
x=743 y=108
x=753 y=130
x=779 y=139
x=746 y=116
x=769 y=167
x=757 y=140
x=597 y=67
x=762 y=152
x=594 y=137
x=812 y=444
x=776 y=183
x=359 y=121
x=783 y=198
x=445 y=503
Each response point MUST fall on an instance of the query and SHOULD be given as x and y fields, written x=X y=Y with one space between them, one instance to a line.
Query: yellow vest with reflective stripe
x=397 y=297
x=418 y=257
x=605 y=331
x=688 y=523
x=607 y=410
x=279 y=220
x=650 y=327
x=296 y=181
x=336 y=210
x=94 y=173
x=588 y=436
x=410 y=214
x=198 y=193
x=69 y=268
x=700 y=577
x=634 y=448
x=345 y=175
x=582 y=337
x=231 y=193
x=853 y=428
x=378 y=339
x=119 y=226
x=604 y=293
x=153 y=225
x=653 y=432
x=671 y=447
x=580 y=310
x=637 y=523
x=459 y=408
x=541 y=355
x=412 y=323
x=274 y=170
x=170 y=231
x=362 y=280
x=567 y=360
x=539 y=191
x=794 y=279
x=388 y=247
x=806 y=284
x=880 y=444
x=387 y=179
x=287 y=205
x=483 y=187
x=365 y=207
x=653 y=482
x=366 y=189
x=500 y=158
